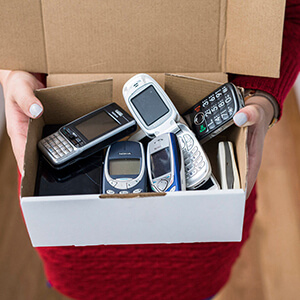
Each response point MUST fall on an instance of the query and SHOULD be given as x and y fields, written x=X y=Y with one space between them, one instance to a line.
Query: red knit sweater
x=178 y=271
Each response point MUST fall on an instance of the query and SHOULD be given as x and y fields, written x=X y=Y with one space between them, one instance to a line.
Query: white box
x=179 y=217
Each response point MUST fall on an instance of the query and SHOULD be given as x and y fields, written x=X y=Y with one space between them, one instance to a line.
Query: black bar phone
x=214 y=113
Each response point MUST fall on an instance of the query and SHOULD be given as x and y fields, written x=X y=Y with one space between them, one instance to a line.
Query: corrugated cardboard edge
x=101 y=89
x=125 y=196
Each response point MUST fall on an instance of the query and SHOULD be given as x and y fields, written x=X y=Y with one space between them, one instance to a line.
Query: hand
x=256 y=115
x=20 y=105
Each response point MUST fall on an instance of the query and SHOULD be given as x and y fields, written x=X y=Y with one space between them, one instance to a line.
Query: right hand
x=256 y=115
x=20 y=105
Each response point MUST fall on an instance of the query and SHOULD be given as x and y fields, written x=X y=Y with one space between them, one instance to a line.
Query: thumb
x=247 y=116
x=30 y=105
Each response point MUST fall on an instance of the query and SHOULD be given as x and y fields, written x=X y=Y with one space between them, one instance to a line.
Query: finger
x=247 y=116
x=18 y=146
x=27 y=101
x=16 y=126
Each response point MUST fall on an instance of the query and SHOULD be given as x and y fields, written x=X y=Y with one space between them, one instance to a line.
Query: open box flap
x=113 y=36
x=254 y=37
x=119 y=80
x=22 y=45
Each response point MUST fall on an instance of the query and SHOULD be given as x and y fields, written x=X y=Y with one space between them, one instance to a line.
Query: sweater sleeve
x=290 y=60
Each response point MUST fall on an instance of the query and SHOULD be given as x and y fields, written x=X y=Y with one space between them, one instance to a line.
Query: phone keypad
x=193 y=160
x=218 y=108
x=213 y=111
x=73 y=137
x=57 y=145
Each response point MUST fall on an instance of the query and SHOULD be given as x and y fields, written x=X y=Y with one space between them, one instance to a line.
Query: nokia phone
x=165 y=164
x=125 y=168
x=95 y=130
x=214 y=113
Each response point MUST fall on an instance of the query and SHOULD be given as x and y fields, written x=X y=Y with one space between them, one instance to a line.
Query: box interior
x=174 y=36
x=64 y=103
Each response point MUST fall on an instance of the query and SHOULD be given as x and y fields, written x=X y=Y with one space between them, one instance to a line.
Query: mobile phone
x=197 y=164
x=227 y=166
x=214 y=113
x=210 y=184
x=156 y=114
x=82 y=177
x=125 y=168
x=150 y=105
x=92 y=131
x=165 y=164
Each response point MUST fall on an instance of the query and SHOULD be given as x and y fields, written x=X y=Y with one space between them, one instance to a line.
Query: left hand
x=256 y=115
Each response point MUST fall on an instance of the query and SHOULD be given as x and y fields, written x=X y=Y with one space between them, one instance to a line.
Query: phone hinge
x=174 y=127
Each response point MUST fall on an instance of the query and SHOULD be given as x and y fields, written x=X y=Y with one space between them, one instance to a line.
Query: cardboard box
x=75 y=41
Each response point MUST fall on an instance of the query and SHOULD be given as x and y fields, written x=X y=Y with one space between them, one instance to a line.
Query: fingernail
x=35 y=110
x=240 y=119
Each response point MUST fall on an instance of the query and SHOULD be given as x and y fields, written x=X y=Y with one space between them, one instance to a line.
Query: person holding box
x=168 y=271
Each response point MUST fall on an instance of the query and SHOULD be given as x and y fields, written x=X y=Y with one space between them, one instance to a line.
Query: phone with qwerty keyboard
x=214 y=113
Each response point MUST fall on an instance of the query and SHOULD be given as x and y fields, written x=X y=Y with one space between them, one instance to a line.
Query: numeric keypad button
x=218 y=94
x=211 y=98
x=205 y=103
x=228 y=99
x=218 y=119
x=214 y=109
x=221 y=104
x=230 y=110
x=211 y=124
x=224 y=114
x=189 y=141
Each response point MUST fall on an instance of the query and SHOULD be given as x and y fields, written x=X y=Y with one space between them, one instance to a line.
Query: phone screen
x=96 y=125
x=149 y=105
x=124 y=167
x=160 y=162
